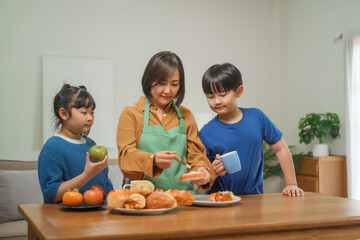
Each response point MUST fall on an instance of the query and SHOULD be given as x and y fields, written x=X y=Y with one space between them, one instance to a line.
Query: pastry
x=117 y=198
x=222 y=196
x=135 y=201
x=160 y=200
x=182 y=197
x=143 y=187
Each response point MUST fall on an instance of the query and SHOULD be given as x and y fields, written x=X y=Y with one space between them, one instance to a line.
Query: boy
x=243 y=130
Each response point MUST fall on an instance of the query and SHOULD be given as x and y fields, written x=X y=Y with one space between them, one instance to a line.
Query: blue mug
x=231 y=162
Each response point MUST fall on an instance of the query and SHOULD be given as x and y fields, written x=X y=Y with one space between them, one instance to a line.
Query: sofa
x=19 y=184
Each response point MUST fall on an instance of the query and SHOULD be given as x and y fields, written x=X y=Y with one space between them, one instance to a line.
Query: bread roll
x=182 y=197
x=222 y=196
x=116 y=198
x=135 y=201
x=143 y=187
x=160 y=200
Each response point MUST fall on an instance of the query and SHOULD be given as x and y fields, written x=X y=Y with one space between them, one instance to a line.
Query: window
x=352 y=71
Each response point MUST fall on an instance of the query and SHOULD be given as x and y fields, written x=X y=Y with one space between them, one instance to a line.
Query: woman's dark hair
x=221 y=78
x=161 y=67
x=71 y=97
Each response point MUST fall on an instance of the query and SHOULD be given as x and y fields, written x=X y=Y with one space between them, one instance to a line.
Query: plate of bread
x=142 y=198
x=217 y=199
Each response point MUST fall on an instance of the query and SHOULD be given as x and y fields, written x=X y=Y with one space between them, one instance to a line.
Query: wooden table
x=268 y=216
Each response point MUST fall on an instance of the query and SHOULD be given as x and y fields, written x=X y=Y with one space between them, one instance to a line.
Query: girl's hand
x=218 y=166
x=164 y=159
x=293 y=190
x=93 y=168
x=204 y=180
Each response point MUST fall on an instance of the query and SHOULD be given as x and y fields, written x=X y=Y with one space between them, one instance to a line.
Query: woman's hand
x=293 y=190
x=204 y=180
x=218 y=166
x=164 y=159
x=93 y=168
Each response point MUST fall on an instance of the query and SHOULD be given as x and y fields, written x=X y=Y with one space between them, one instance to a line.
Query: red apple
x=98 y=187
x=93 y=197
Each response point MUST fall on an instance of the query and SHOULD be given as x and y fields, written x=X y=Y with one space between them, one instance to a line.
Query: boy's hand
x=93 y=168
x=293 y=190
x=204 y=180
x=218 y=166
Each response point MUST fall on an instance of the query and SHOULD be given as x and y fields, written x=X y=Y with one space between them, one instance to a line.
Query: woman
x=152 y=131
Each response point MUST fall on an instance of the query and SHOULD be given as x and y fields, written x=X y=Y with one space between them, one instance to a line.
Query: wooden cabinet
x=325 y=175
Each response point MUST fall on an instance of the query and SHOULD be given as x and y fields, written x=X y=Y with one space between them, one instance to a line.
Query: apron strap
x=181 y=118
x=147 y=116
x=146 y=113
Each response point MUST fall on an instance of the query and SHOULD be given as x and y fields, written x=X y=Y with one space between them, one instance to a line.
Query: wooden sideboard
x=326 y=175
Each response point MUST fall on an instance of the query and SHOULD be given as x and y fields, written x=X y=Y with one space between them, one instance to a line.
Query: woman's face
x=165 y=91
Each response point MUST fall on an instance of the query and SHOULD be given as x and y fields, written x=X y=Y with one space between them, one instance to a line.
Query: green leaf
x=306 y=136
x=302 y=123
x=325 y=126
x=332 y=117
x=335 y=131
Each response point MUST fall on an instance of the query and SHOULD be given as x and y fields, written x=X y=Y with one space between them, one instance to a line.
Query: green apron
x=155 y=138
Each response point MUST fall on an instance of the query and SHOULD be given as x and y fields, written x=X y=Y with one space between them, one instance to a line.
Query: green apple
x=97 y=153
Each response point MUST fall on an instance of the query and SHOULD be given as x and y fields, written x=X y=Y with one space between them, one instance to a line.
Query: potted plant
x=317 y=125
x=271 y=164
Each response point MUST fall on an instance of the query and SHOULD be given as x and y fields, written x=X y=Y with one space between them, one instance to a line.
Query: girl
x=243 y=130
x=152 y=131
x=64 y=161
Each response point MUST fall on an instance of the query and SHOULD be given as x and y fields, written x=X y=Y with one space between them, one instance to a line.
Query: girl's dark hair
x=221 y=78
x=71 y=97
x=161 y=67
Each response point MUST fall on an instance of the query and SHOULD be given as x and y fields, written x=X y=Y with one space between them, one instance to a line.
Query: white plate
x=142 y=211
x=203 y=200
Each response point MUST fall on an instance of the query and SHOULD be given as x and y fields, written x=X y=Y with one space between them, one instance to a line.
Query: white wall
x=285 y=50
x=312 y=62
x=201 y=32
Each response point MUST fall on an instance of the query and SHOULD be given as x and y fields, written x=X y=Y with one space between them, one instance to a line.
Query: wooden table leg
x=31 y=234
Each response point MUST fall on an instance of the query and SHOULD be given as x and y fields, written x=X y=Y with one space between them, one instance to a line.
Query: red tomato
x=93 y=197
x=98 y=187
x=72 y=198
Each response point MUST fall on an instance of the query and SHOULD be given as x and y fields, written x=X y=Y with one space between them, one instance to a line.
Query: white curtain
x=352 y=71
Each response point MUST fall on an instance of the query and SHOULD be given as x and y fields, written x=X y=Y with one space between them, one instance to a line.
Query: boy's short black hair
x=221 y=78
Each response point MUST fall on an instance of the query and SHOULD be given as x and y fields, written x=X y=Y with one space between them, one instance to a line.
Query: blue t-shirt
x=246 y=137
x=60 y=161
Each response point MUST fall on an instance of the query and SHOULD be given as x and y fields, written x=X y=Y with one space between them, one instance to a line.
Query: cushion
x=18 y=165
x=13 y=230
x=115 y=176
x=17 y=187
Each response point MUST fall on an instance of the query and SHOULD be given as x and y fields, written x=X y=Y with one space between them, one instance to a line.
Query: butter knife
x=182 y=162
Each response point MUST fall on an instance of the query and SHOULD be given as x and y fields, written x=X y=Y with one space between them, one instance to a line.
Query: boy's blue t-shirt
x=60 y=161
x=246 y=137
